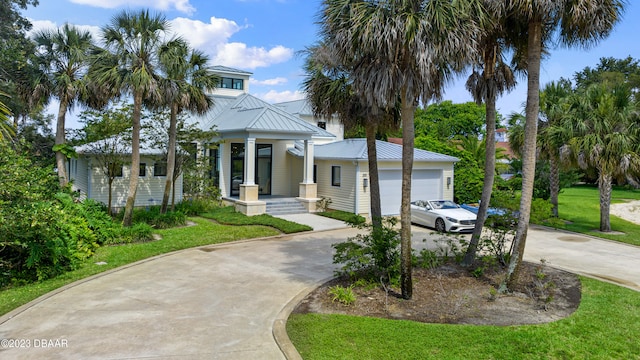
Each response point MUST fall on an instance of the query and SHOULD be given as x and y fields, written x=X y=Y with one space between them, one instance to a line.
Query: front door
x=263 y=168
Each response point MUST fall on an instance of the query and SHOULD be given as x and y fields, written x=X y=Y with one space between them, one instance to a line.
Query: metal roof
x=298 y=107
x=220 y=68
x=246 y=113
x=356 y=149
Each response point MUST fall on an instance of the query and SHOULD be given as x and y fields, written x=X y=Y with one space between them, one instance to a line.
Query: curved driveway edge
x=232 y=300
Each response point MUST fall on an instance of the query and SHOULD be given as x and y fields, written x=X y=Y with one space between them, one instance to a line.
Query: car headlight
x=452 y=220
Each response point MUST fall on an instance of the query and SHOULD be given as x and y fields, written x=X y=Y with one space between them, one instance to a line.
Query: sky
x=265 y=37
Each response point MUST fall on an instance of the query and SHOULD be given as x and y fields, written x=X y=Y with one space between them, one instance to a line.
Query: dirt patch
x=450 y=294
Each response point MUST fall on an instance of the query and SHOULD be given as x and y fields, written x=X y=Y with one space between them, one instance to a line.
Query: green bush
x=344 y=295
x=196 y=206
x=374 y=255
x=152 y=216
x=139 y=232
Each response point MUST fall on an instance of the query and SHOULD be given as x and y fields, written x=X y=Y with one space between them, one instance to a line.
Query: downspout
x=356 y=207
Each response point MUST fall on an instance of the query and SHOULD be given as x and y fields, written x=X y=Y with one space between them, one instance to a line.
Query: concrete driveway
x=227 y=301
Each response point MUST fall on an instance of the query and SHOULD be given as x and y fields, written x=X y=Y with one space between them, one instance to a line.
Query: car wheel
x=440 y=227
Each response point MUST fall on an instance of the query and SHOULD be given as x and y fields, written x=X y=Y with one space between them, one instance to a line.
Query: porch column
x=308 y=189
x=308 y=162
x=249 y=189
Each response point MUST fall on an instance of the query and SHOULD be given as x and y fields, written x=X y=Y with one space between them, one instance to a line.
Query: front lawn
x=605 y=326
x=206 y=232
x=229 y=216
x=580 y=207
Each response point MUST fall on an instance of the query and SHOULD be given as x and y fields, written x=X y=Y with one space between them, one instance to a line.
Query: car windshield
x=443 y=204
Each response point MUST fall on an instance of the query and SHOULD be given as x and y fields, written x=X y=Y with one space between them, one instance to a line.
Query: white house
x=89 y=179
x=271 y=151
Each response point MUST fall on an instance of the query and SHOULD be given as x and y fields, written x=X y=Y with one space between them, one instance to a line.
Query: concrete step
x=285 y=207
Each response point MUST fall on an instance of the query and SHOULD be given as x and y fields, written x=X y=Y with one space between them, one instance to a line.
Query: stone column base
x=251 y=208
x=308 y=191
x=309 y=204
x=248 y=192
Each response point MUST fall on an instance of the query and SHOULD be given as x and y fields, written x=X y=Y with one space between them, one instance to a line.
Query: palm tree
x=417 y=47
x=7 y=131
x=569 y=22
x=554 y=108
x=63 y=56
x=605 y=135
x=330 y=93
x=128 y=65
x=187 y=78
x=485 y=86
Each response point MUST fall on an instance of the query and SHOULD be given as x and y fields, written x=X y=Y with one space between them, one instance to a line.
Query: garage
x=426 y=184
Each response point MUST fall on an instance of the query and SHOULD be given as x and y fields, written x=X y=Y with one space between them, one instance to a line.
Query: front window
x=230 y=83
x=160 y=168
x=335 y=175
x=322 y=125
x=143 y=169
x=115 y=169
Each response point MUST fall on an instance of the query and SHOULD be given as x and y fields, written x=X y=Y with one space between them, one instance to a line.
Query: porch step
x=285 y=207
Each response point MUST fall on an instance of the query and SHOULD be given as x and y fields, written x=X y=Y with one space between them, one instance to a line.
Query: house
x=269 y=151
x=87 y=173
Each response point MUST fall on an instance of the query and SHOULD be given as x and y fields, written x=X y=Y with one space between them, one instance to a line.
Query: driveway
x=226 y=301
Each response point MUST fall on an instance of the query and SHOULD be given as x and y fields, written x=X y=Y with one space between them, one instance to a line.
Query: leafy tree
x=446 y=120
x=612 y=71
x=567 y=22
x=405 y=59
x=127 y=66
x=63 y=56
x=108 y=140
x=187 y=79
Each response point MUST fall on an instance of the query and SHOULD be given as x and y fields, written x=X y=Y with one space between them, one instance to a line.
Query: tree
x=568 y=22
x=186 y=80
x=605 y=135
x=407 y=51
x=128 y=66
x=486 y=85
x=63 y=56
x=446 y=120
x=554 y=108
x=329 y=90
x=7 y=131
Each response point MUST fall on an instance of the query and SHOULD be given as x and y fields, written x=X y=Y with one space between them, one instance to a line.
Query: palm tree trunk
x=529 y=151
x=554 y=182
x=135 y=160
x=61 y=158
x=604 y=187
x=171 y=157
x=489 y=160
x=408 y=109
x=374 y=188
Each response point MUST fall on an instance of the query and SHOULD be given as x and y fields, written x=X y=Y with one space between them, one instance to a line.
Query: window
x=214 y=172
x=335 y=175
x=229 y=83
x=143 y=169
x=322 y=125
x=315 y=172
x=160 y=168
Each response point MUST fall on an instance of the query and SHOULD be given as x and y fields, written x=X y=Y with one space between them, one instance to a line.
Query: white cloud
x=180 y=5
x=239 y=55
x=269 y=82
x=213 y=38
x=282 y=96
x=50 y=25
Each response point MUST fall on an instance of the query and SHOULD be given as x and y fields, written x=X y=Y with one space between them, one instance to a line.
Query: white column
x=308 y=162
x=250 y=161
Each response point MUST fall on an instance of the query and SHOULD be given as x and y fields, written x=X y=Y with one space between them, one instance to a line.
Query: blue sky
x=263 y=37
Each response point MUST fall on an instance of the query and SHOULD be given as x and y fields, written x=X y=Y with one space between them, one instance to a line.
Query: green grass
x=580 y=206
x=345 y=216
x=229 y=216
x=206 y=232
x=605 y=326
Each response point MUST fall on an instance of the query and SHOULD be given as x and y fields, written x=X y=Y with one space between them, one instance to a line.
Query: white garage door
x=425 y=184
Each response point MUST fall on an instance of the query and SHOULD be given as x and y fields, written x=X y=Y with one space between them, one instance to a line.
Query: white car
x=442 y=215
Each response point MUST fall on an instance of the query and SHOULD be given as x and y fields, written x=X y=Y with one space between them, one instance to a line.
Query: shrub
x=342 y=294
x=196 y=206
x=152 y=216
x=139 y=232
x=373 y=255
